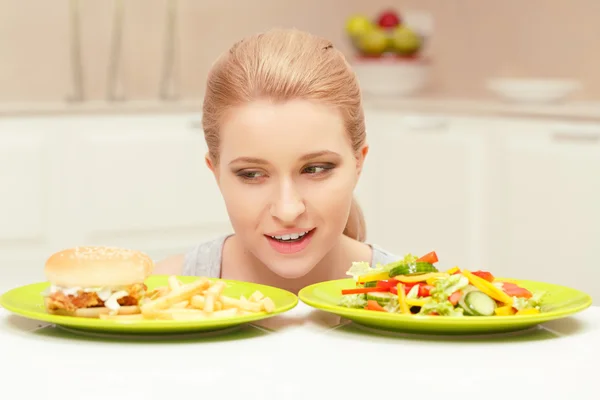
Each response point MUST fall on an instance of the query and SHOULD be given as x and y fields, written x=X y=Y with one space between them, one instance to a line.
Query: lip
x=292 y=247
x=288 y=231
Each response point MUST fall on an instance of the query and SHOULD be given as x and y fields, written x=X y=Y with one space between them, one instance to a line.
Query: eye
x=248 y=175
x=318 y=169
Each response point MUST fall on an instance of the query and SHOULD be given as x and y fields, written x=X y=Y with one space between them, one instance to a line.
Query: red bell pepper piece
x=430 y=258
x=512 y=289
x=425 y=290
x=365 y=290
x=455 y=297
x=484 y=275
x=374 y=306
x=387 y=284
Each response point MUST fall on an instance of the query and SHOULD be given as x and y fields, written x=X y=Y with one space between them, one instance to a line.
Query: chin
x=291 y=270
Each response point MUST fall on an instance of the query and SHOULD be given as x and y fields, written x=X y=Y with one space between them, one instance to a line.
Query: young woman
x=285 y=129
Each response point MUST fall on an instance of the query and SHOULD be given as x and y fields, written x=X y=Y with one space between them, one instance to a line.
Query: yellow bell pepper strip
x=417 y=302
x=453 y=270
x=379 y=276
x=404 y=308
x=528 y=311
x=431 y=281
x=420 y=278
x=487 y=288
x=504 y=311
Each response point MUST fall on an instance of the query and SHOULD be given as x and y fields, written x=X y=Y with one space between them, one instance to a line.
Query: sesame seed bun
x=98 y=266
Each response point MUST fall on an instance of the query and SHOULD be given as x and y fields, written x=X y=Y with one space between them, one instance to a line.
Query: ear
x=211 y=166
x=360 y=159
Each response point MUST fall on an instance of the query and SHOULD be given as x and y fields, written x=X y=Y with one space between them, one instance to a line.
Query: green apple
x=358 y=25
x=374 y=42
x=405 y=41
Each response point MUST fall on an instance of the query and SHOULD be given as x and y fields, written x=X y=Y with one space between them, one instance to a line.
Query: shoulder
x=381 y=256
x=205 y=258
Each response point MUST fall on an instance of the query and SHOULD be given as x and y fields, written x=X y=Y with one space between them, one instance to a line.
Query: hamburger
x=93 y=280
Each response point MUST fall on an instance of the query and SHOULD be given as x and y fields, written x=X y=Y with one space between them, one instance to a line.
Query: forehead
x=289 y=129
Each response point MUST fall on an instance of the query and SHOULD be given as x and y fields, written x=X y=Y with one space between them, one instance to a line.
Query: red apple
x=388 y=19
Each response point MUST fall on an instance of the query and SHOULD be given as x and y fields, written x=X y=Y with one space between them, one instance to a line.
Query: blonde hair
x=285 y=64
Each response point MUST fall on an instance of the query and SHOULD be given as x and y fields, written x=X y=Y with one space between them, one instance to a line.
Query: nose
x=287 y=205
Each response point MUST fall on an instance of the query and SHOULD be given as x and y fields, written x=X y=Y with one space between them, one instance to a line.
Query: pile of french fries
x=201 y=299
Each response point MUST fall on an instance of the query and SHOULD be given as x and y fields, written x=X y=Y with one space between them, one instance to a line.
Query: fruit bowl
x=391 y=76
x=388 y=58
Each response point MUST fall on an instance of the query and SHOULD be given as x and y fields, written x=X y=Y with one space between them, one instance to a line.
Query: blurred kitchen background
x=487 y=126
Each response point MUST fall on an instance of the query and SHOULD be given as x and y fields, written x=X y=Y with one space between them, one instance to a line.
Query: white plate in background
x=533 y=90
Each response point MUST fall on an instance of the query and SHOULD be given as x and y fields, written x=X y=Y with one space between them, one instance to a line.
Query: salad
x=413 y=285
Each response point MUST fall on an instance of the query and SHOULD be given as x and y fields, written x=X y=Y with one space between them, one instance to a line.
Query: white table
x=303 y=354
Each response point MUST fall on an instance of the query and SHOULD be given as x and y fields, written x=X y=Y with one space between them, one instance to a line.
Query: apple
x=358 y=25
x=374 y=42
x=388 y=19
x=405 y=41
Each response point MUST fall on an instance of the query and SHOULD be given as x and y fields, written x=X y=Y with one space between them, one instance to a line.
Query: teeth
x=292 y=236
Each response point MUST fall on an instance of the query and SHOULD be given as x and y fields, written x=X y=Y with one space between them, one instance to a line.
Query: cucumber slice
x=381 y=297
x=412 y=269
x=371 y=284
x=478 y=304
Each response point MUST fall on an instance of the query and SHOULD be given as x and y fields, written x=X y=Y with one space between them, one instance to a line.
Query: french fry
x=268 y=305
x=175 y=296
x=124 y=317
x=180 y=314
x=209 y=302
x=197 y=301
x=256 y=296
x=174 y=283
x=182 y=304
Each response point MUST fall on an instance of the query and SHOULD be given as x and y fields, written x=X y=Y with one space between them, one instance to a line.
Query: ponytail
x=356 y=225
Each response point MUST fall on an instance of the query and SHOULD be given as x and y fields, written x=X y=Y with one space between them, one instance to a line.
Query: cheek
x=332 y=197
x=244 y=202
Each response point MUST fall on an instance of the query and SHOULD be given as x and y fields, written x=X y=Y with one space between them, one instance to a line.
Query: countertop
x=577 y=111
x=303 y=354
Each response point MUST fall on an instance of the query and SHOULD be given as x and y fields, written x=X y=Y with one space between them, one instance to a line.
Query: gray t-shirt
x=205 y=258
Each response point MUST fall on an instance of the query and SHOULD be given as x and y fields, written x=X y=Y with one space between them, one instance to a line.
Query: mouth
x=290 y=242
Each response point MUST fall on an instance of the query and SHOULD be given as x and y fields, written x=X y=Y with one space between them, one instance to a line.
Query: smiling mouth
x=292 y=237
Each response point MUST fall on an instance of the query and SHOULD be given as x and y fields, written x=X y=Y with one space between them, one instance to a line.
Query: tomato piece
x=425 y=290
x=455 y=297
x=512 y=289
x=387 y=284
x=484 y=275
x=365 y=290
x=430 y=258
x=374 y=306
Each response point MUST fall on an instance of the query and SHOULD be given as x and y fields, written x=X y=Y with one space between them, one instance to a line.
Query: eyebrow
x=306 y=157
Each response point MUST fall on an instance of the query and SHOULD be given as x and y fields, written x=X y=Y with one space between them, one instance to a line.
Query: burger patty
x=61 y=301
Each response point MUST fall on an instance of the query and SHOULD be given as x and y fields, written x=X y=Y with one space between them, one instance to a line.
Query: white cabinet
x=426 y=178
x=547 y=224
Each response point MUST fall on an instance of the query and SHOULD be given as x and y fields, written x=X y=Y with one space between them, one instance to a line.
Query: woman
x=285 y=129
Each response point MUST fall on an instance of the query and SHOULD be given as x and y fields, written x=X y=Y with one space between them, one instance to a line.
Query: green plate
x=27 y=301
x=559 y=302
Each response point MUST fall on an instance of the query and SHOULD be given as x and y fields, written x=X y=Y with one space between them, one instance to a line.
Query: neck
x=240 y=264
